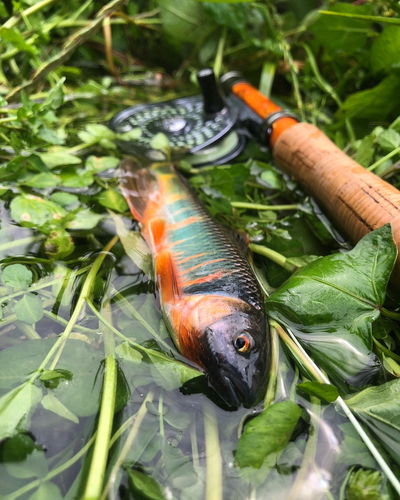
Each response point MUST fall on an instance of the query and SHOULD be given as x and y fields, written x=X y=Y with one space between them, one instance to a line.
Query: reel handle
x=357 y=201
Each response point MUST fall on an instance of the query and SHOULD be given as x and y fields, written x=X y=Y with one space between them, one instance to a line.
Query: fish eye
x=243 y=343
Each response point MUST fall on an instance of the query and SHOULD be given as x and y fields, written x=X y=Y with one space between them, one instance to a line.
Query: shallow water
x=177 y=433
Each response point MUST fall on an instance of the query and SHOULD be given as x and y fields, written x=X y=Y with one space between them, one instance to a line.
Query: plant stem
x=193 y=440
x=213 y=454
x=274 y=256
x=127 y=446
x=18 y=243
x=375 y=19
x=273 y=371
x=64 y=322
x=257 y=206
x=95 y=479
x=27 y=330
x=220 y=54
x=390 y=314
x=31 y=10
x=326 y=87
x=387 y=351
x=51 y=474
x=375 y=165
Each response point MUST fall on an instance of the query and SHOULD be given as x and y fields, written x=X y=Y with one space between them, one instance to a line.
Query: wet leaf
x=379 y=408
x=16 y=406
x=326 y=392
x=172 y=374
x=128 y=353
x=145 y=486
x=17 y=276
x=76 y=178
x=51 y=403
x=59 y=159
x=59 y=244
x=134 y=245
x=114 y=200
x=31 y=211
x=332 y=303
x=353 y=450
x=29 y=309
x=267 y=433
x=84 y=220
x=64 y=199
x=47 y=491
x=99 y=164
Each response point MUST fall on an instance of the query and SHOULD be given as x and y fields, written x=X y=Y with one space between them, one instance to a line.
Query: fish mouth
x=234 y=391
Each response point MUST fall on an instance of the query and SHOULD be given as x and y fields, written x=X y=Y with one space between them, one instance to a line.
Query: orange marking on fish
x=180 y=241
x=190 y=258
x=181 y=210
x=184 y=223
x=202 y=264
x=205 y=279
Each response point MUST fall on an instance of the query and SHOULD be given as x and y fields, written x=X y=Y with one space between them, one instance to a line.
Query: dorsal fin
x=137 y=183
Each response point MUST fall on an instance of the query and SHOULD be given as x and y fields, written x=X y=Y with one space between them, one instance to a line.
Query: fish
x=210 y=299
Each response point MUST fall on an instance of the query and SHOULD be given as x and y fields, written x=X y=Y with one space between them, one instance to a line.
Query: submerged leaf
x=51 y=403
x=145 y=486
x=29 y=309
x=365 y=485
x=267 y=433
x=332 y=302
x=16 y=406
x=17 y=276
x=172 y=374
x=326 y=392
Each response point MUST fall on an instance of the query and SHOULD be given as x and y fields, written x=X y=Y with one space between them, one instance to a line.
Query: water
x=169 y=439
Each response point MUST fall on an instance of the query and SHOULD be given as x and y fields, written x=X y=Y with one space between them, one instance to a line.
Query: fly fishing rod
x=213 y=129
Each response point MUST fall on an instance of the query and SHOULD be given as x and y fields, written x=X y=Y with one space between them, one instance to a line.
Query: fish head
x=229 y=339
x=236 y=356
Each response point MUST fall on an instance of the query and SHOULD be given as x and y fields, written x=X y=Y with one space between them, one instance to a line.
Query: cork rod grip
x=356 y=200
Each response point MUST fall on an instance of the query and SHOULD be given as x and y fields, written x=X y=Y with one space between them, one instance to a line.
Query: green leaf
x=59 y=159
x=184 y=21
x=17 y=276
x=379 y=408
x=125 y=351
x=180 y=471
x=76 y=178
x=172 y=374
x=16 y=406
x=267 y=433
x=365 y=151
x=33 y=211
x=84 y=220
x=59 y=244
x=29 y=309
x=23 y=459
x=134 y=245
x=41 y=180
x=332 y=302
x=47 y=491
x=12 y=36
x=353 y=450
x=112 y=199
x=388 y=139
x=384 y=54
x=145 y=486
x=365 y=485
x=98 y=164
x=341 y=34
x=51 y=403
x=326 y=392
x=372 y=104
x=100 y=131
x=64 y=199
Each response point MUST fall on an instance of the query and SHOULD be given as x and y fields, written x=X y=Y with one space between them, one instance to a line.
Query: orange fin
x=167 y=278
x=137 y=184
x=157 y=231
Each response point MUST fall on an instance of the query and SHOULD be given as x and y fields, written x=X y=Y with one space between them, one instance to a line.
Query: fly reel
x=203 y=129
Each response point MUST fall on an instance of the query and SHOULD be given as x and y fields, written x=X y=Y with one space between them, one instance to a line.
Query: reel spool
x=202 y=128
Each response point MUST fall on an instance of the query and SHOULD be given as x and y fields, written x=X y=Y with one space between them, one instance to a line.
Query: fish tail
x=137 y=185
